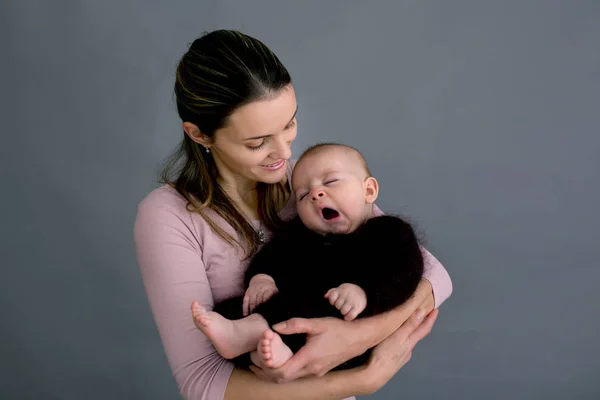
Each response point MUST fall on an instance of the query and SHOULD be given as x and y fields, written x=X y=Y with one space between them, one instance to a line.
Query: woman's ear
x=194 y=133
x=371 y=190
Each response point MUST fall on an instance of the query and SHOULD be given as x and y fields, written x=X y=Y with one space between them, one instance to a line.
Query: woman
x=226 y=189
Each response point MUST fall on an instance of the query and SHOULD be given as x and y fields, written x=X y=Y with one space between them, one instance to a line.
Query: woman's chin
x=271 y=176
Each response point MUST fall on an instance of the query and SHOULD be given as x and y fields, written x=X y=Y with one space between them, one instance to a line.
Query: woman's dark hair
x=222 y=71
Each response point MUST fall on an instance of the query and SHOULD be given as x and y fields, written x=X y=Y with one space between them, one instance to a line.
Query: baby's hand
x=260 y=289
x=350 y=299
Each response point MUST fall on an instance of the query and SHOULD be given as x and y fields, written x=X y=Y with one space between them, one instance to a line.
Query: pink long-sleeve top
x=181 y=260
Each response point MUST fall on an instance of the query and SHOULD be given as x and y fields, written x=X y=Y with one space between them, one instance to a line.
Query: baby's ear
x=371 y=190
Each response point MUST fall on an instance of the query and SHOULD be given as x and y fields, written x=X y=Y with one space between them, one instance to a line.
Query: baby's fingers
x=245 y=305
x=332 y=295
x=352 y=314
x=253 y=302
x=346 y=308
x=264 y=296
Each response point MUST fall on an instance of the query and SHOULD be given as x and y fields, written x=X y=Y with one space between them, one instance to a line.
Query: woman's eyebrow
x=264 y=136
x=256 y=137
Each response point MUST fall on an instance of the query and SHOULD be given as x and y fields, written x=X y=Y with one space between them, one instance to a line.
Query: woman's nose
x=282 y=150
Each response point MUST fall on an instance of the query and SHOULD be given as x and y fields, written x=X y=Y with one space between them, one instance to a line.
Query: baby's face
x=333 y=192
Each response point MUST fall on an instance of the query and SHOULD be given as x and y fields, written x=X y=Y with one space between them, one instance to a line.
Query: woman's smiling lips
x=275 y=166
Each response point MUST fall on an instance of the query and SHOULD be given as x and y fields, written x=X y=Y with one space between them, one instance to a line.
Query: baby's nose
x=318 y=194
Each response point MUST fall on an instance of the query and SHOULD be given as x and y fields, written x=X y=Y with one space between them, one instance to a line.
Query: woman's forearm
x=373 y=330
x=336 y=385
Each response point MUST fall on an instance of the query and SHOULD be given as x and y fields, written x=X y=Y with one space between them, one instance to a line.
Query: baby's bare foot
x=225 y=334
x=200 y=315
x=273 y=352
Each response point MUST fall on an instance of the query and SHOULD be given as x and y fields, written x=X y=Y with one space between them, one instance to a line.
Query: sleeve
x=174 y=276
x=439 y=278
x=434 y=272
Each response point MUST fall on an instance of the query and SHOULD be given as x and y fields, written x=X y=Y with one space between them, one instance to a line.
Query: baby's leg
x=231 y=338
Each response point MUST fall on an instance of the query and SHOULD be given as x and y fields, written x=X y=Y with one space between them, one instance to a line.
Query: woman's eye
x=290 y=125
x=260 y=146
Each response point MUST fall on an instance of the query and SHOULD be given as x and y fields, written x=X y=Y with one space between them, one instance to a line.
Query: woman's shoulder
x=164 y=197
x=166 y=207
x=162 y=203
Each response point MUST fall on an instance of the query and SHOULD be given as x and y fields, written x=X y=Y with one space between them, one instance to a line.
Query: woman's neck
x=243 y=194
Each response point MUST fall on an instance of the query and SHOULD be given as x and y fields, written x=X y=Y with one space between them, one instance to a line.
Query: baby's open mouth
x=329 y=213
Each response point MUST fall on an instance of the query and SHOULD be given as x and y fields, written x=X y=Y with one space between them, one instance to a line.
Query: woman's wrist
x=352 y=382
x=373 y=330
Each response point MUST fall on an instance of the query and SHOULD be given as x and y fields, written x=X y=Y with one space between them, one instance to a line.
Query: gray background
x=480 y=119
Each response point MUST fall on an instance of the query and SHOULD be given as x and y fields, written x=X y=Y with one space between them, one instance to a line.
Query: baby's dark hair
x=329 y=145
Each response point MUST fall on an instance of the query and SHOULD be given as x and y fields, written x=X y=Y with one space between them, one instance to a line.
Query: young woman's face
x=255 y=143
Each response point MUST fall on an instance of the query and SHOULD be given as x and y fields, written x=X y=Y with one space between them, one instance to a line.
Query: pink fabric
x=182 y=260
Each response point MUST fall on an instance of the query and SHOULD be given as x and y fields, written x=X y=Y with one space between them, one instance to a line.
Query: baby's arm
x=391 y=266
x=260 y=289
x=349 y=298
x=261 y=275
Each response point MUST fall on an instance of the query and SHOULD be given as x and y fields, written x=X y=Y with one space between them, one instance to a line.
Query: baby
x=335 y=259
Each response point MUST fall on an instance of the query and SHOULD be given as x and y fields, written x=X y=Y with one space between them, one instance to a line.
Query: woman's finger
x=410 y=325
x=424 y=328
x=299 y=325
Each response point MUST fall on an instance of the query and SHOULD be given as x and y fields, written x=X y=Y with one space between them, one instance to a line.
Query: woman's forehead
x=263 y=117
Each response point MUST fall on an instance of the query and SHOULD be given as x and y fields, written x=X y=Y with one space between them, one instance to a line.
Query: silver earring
x=207 y=149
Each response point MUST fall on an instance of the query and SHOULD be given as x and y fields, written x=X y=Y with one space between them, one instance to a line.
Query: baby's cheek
x=307 y=217
x=303 y=214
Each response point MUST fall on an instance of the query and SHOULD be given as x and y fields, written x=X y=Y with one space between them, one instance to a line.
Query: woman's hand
x=330 y=342
x=386 y=359
x=395 y=351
